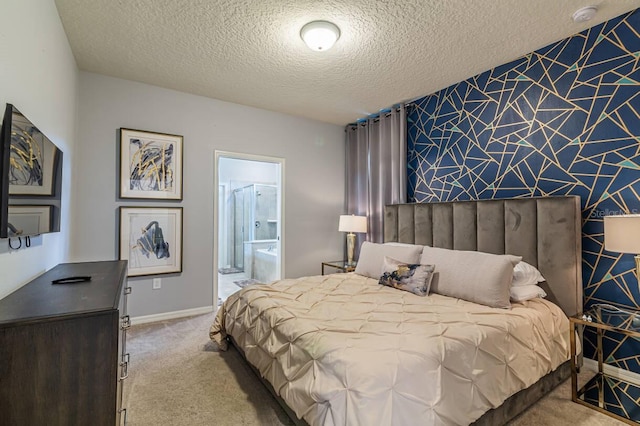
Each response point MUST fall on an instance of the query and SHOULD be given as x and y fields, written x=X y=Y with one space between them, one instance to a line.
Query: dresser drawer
x=123 y=358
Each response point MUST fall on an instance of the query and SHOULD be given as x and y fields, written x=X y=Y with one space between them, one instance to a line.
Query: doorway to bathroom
x=248 y=221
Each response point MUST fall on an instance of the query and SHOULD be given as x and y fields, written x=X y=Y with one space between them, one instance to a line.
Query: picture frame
x=33 y=159
x=151 y=240
x=150 y=165
x=29 y=220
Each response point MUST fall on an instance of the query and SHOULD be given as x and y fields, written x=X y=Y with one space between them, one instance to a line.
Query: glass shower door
x=238 y=228
x=266 y=212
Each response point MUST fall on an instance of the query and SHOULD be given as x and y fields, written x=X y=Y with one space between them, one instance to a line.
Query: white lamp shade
x=320 y=35
x=351 y=223
x=622 y=233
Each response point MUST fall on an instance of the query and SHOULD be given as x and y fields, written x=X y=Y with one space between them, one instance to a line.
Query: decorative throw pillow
x=414 y=278
x=372 y=257
x=526 y=292
x=525 y=274
x=474 y=276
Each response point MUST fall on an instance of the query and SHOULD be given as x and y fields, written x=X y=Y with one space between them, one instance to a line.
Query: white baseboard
x=610 y=370
x=171 y=315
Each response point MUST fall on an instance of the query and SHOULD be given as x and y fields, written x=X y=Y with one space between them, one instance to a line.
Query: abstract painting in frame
x=32 y=159
x=151 y=240
x=150 y=165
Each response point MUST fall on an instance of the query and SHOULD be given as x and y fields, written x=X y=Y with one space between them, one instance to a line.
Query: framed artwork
x=32 y=159
x=151 y=240
x=29 y=220
x=150 y=165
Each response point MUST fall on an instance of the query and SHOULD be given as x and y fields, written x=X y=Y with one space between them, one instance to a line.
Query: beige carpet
x=177 y=377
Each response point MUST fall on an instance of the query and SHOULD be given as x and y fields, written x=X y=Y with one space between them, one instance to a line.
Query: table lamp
x=622 y=234
x=351 y=224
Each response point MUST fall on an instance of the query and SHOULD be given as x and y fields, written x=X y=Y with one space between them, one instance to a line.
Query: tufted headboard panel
x=545 y=231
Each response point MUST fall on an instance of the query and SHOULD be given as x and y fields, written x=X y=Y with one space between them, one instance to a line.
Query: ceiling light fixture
x=320 y=35
x=584 y=14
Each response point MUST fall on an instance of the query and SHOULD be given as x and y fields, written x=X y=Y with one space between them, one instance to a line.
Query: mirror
x=30 y=178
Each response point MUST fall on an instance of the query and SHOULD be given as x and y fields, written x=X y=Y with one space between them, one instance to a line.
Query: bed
x=343 y=350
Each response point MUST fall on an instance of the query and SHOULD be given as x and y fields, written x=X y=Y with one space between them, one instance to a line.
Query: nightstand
x=614 y=396
x=341 y=265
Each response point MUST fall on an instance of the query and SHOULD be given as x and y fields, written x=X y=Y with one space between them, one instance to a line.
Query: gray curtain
x=376 y=168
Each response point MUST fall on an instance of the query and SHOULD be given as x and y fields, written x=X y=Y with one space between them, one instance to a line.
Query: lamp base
x=351 y=247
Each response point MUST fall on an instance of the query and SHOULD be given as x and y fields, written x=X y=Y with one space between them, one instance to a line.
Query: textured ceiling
x=249 y=51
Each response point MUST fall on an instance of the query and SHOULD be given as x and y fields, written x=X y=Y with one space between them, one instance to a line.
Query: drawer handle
x=127 y=290
x=123 y=411
x=125 y=358
x=126 y=322
x=125 y=370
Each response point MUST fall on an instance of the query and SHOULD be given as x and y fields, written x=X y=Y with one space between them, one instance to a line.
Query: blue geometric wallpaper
x=562 y=120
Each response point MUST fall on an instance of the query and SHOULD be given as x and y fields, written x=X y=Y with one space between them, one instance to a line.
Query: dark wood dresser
x=63 y=348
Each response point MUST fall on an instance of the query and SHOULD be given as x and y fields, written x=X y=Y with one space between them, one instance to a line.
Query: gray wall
x=314 y=180
x=38 y=74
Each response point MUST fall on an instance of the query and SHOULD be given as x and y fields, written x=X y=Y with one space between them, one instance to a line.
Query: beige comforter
x=343 y=350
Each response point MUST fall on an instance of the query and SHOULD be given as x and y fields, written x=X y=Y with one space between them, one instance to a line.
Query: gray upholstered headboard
x=545 y=231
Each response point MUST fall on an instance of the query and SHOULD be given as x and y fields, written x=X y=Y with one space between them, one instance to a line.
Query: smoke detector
x=584 y=14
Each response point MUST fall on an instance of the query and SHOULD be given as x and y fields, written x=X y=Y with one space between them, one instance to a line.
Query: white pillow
x=526 y=292
x=525 y=274
x=371 y=260
x=474 y=276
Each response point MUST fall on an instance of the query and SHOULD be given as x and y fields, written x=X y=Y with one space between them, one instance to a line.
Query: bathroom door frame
x=216 y=220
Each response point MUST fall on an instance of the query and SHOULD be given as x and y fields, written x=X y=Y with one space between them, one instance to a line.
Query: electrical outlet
x=157 y=284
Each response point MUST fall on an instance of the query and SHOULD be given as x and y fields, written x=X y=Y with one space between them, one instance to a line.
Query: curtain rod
x=376 y=116
x=412 y=102
x=386 y=111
